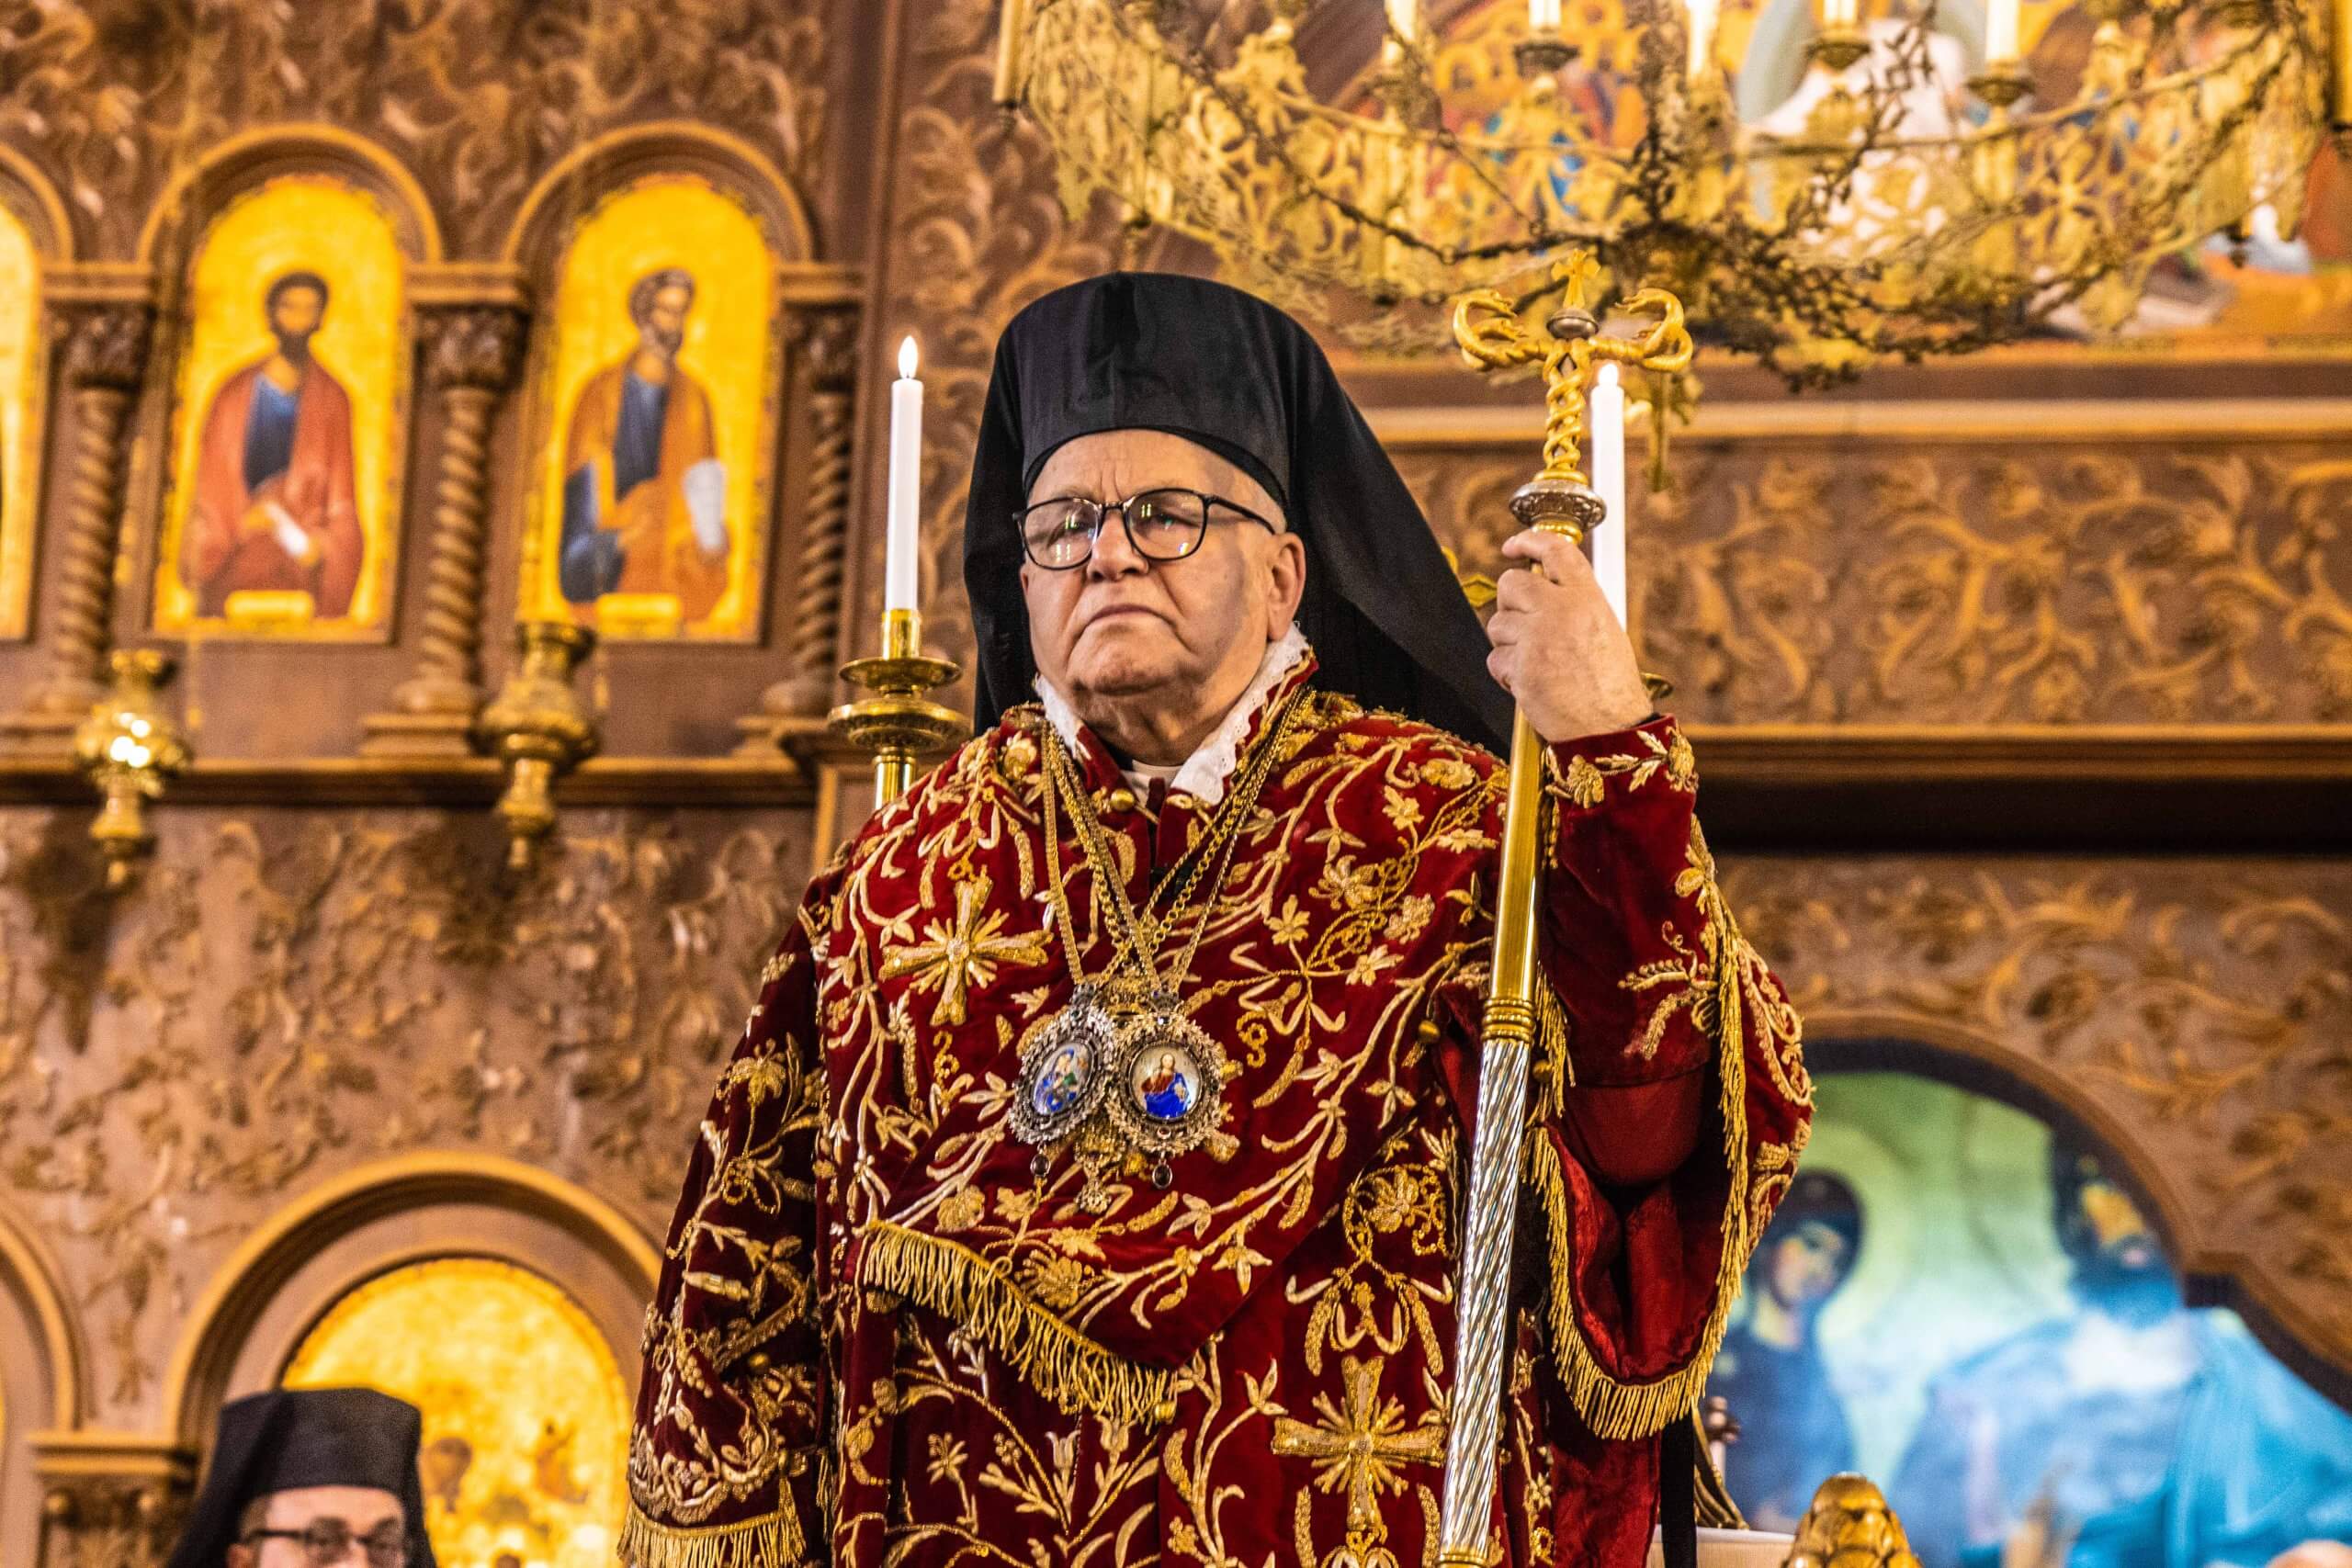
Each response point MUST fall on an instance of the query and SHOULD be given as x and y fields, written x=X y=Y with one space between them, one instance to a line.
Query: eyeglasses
x=327 y=1542
x=1162 y=525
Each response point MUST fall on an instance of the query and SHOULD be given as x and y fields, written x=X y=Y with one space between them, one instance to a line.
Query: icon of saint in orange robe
x=276 y=508
x=644 y=493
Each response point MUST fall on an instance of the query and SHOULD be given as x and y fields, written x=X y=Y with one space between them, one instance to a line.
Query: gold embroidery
x=958 y=957
x=1584 y=780
x=1360 y=1446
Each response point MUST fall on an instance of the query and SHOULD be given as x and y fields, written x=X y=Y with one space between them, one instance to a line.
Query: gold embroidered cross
x=1360 y=1446
x=956 y=958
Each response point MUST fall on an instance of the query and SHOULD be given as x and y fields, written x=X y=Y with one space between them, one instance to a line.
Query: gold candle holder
x=1838 y=47
x=540 y=728
x=1543 y=52
x=897 y=723
x=2002 y=83
x=129 y=746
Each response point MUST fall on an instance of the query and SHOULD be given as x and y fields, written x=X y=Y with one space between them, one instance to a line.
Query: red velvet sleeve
x=1671 y=1098
x=722 y=1462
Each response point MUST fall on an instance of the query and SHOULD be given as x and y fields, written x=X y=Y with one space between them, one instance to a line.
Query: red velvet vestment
x=881 y=1339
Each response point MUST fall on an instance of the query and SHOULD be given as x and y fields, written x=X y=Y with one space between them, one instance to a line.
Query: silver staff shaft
x=1481 y=1303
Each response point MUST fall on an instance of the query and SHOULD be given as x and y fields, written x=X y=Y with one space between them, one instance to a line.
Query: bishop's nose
x=1114 y=554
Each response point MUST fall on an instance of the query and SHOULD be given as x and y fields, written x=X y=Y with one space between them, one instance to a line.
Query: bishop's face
x=1159 y=648
x=272 y=1533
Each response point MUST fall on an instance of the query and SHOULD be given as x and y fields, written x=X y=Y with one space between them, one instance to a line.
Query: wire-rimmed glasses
x=1163 y=524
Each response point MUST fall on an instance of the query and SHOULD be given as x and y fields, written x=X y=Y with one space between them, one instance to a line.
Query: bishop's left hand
x=1558 y=649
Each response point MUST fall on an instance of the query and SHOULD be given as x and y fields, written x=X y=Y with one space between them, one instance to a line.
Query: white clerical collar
x=1203 y=774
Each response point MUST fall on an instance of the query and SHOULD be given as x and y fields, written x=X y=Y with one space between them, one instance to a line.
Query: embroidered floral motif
x=1584 y=780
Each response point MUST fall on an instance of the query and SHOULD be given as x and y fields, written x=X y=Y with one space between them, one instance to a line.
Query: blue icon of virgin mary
x=1062 y=1082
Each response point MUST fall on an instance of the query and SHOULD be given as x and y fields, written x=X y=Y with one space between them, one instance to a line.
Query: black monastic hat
x=1156 y=351
x=310 y=1436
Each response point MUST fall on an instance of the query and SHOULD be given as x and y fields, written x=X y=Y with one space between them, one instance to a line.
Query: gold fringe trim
x=1555 y=1074
x=1612 y=1408
x=774 y=1542
x=1051 y=1356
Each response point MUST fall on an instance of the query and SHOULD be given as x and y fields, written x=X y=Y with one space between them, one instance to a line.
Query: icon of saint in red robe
x=276 y=508
x=644 y=492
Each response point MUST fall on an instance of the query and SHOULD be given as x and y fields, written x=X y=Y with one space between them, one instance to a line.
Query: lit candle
x=1608 y=415
x=2001 y=30
x=898 y=573
x=1543 y=16
x=1839 y=13
x=1405 y=18
x=1701 y=16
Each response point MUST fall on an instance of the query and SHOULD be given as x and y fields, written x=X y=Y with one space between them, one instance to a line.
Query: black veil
x=1159 y=351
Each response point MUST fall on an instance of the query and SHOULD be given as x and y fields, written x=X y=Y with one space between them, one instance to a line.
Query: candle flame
x=907 y=358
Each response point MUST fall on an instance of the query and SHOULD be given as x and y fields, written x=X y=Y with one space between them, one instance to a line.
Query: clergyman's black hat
x=1157 y=351
x=292 y=1438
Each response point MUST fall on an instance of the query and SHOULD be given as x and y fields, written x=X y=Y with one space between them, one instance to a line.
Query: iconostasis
x=330 y=358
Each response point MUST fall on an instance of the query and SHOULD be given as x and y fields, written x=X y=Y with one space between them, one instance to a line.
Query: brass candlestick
x=129 y=746
x=897 y=723
x=540 y=729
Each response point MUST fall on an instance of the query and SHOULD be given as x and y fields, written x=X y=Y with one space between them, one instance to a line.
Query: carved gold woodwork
x=243 y=1291
x=480 y=103
x=472 y=356
x=294 y=996
x=109 y=1500
x=1959 y=584
x=828 y=338
x=107 y=334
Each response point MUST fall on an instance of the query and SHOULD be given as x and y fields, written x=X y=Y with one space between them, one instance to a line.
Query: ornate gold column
x=472 y=356
x=105 y=364
x=828 y=335
x=109 y=1499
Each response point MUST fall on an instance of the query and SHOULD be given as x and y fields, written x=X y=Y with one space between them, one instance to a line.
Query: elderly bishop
x=1087 y=1186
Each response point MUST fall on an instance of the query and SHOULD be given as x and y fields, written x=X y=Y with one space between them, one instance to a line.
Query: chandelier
x=1896 y=205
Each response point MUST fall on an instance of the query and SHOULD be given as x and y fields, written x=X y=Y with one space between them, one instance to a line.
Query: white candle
x=1609 y=482
x=1839 y=13
x=1702 y=17
x=2001 y=30
x=898 y=573
x=1405 y=18
x=1543 y=16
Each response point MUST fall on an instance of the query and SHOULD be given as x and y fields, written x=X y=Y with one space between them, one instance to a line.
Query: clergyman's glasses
x=1162 y=525
x=328 y=1542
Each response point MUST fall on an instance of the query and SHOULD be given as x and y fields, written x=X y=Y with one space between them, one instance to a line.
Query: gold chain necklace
x=1121 y=1074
